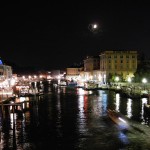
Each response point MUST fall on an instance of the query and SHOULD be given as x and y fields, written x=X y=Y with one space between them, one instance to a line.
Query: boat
x=118 y=118
x=72 y=84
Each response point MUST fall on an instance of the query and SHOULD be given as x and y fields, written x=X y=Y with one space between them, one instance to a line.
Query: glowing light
x=117 y=79
x=117 y=101
x=144 y=80
x=95 y=26
x=129 y=110
x=81 y=91
x=129 y=79
x=122 y=120
x=100 y=77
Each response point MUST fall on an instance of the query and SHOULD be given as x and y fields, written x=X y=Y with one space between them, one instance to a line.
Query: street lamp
x=117 y=80
x=129 y=79
x=144 y=80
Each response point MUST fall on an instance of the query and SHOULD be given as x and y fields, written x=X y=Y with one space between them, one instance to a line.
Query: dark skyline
x=57 y=35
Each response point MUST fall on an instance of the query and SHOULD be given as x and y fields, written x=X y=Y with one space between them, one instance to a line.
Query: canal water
x=74 y=119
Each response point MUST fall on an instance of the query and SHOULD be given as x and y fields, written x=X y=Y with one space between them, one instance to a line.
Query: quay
x=134 y=90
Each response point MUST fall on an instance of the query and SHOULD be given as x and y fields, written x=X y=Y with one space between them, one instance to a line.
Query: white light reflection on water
x=83 y=112
x=12 y=119
x=117 y=102
x=102 y=102
x=144 y=101
x=81 y=91
x=129 y=108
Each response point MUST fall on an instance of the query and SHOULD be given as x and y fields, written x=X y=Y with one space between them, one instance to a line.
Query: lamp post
x=129 y=79
x=117 y=79
x=130 y=86
x=144 y=81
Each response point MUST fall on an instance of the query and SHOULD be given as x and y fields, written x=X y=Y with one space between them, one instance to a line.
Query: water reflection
x=117 y=101
x=129 y=108
x=73 y=119
x=123 y=138
x=83 y=110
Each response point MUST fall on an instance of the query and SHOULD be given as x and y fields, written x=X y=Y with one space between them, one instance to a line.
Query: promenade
x=132 y=90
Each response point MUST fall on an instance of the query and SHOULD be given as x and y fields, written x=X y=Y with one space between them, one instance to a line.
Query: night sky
x=57 y=35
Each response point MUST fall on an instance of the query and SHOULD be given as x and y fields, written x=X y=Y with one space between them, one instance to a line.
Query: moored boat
x=72 y=84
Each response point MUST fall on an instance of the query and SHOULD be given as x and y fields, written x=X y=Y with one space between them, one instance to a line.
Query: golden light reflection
x=27 y=105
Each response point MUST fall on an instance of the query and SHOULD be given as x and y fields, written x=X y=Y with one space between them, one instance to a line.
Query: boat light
x=122 y=120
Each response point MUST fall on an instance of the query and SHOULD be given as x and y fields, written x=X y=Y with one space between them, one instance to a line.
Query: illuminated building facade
x=109 y=63
x=73 y=72
x=5 y=75
x=91 y=68
x=115 y=62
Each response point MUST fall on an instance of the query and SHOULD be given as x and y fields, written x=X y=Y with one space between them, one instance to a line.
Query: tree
x=143 y=70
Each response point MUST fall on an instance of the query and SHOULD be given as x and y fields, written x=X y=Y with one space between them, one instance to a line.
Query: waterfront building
x=73 y=72
x=118 y=62
x=5 y=75
x=109 y=63
x=92 y=68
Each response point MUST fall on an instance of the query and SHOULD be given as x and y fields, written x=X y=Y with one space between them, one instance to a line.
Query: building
x=73 y=72
x=118 y=63
x=5 y=75
x=92 y=68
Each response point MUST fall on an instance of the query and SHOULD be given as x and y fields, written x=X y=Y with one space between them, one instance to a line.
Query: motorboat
x=118 y=118
x=72 y=84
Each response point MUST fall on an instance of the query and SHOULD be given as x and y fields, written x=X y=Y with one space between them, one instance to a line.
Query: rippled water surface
x=75 y=120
